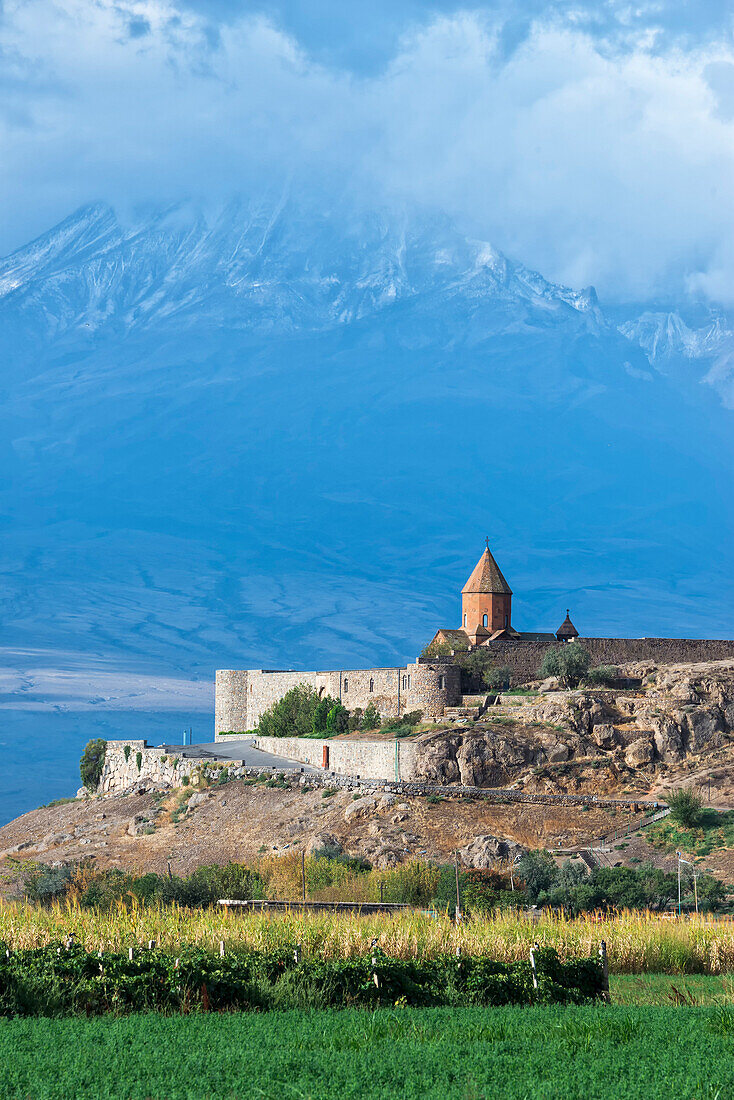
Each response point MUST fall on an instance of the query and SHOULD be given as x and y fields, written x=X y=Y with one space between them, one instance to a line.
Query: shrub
x=139 y=759
x=412 y=717
x=92 y=763
x=127 y=750
x=602 y=675
x=436 y=649
x=371 y=718
x=569 y=663
x=355 y=719
x=293 y=715
x=497 y=678
x=44 y=884
x=185 y=780
x=685 y=807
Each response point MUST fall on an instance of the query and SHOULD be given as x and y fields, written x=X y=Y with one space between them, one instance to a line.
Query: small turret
x=567 y=631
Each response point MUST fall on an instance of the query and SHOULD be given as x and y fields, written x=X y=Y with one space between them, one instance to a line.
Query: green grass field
x=617 y=1053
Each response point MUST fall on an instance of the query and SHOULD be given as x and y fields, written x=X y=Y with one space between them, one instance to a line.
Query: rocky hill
x=676 y=729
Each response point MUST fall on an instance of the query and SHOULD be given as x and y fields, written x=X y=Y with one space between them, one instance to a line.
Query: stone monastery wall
x=431 y=684
x=524 y=657
x=243 y=696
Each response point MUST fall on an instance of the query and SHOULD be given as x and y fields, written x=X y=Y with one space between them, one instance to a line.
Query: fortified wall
x=524 y=657
x=241 y=697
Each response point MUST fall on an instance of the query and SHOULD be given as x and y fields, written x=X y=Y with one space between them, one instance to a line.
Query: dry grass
x=637 y=943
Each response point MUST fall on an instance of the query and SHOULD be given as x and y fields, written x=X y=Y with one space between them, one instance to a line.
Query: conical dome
x=567 y=630
x=487 y=578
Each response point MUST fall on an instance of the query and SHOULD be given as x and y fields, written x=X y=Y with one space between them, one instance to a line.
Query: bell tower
x=486 y=601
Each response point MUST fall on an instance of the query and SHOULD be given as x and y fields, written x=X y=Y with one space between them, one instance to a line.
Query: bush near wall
x=58 y=980
x=92 y=763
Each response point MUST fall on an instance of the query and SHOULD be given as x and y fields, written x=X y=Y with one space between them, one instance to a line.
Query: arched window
x=405 y=681
x=372 y=684
x=346 y=684
x=408 y=679
x=507 y=620
x=441 y=682
x=484 y=620
x=465 y=618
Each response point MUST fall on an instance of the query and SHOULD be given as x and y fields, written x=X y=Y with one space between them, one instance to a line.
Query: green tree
x=685 y=807
x=569 y=663
x=337 y=720
x=92 y=762
x=371 y=718
x=497 y=678
x=320 y=714
x=538 y=871
x=291 y=716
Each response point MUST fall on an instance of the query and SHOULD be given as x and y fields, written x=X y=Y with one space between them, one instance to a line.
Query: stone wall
x=121 y=769
x=524 y=657
x=429 y=686
x=393 y=761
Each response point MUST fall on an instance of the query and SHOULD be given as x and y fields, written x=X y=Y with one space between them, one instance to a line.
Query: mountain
x=273 y=435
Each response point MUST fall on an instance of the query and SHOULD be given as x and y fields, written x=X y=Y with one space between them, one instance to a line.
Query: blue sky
x=595 y=142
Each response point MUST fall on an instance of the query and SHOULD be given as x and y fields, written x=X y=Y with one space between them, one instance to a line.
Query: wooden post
x=605 y=972
x=533 y=969
x=130 y=954
x=303 y=873
x=221 y=949
x=375 y=979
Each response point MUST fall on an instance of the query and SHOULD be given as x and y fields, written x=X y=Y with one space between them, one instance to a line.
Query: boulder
x=551 y=684
x=198 y=798
x=557 y=752
x=362 y=807
x=640 y=752
x=484 y=852
x=604 y=735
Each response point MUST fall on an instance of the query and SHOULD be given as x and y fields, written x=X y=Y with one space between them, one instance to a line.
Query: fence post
x=533 y=968
x=375 y=979
x=604 y=971
x=130 y=954
x=221 y=949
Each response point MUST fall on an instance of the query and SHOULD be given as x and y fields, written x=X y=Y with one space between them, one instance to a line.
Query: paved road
x=236 y=749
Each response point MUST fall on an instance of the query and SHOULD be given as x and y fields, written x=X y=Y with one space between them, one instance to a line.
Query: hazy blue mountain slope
x=276 y=438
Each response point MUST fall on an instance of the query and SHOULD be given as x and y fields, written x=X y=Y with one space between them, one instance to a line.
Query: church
x=486 y=613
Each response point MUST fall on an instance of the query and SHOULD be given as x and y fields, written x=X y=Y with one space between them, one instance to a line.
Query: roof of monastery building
x=487 y=577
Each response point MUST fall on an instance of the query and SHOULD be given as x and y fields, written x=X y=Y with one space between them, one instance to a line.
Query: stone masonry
x=428 y=686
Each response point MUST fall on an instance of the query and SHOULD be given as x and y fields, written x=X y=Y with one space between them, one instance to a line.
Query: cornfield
x=636 y=942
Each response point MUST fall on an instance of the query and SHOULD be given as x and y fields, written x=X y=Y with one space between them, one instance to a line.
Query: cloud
x=590 y=158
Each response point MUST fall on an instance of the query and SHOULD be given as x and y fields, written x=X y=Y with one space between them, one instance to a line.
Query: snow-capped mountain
x=229 y=436
x=273 y=435
x=255 y=267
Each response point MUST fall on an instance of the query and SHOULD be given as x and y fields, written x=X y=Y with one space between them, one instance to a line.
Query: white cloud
x=593 y=163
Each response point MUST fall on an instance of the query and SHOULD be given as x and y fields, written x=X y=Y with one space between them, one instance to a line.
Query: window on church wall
x=346 y=684
x=484 y=620
x=372 y=685
x=465 y=618
x=507 y=620
x=441 y=682
x=405 y=681
x=408 y=679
